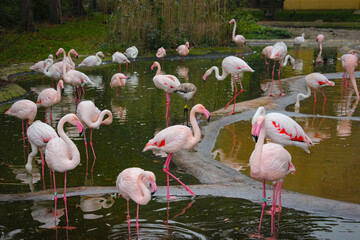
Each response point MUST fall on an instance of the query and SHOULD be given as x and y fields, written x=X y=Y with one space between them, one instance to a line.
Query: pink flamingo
x=176 y=138
x=278 y=53
x=40 y=66
x=269 y=162
x=315 y=81
x=134 y=183
x=24 y=110
x=92 y=61
x=183 y=50
x=320 y=38
x=266 y=53
x=132 y=52
x=298 y=41
x=73 y=77
x=282 y=129
x=49 y=97
x=349 y=64
x=118 y=80
x=39 y=134
x=91 y=117
x=161 y=53
x=168 y=83
x=62 y=155
x=239 y=40
x=233 y=66
x=52 y=71
x=120 y=58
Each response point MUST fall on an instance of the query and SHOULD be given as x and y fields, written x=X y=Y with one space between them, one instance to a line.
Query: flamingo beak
x=204 y=78
x=207 y=114
x=80 y=127
x=153 y=187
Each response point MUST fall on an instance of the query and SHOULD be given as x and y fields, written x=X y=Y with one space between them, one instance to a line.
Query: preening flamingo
x=120 y=58
x=93 y=60
x=233 y=66
x=62 y=155
x=320 y=38
x=315 y=81
x=298 y=41
x=269 y=162
x=239 y=40
x=186 y=91
x=73 y=77
x=134 y=183
x=118 y=80
x=349 y=64
x=24 y=110
x=49 y=97
x=183 y=50
x=132 y=52
x=161 y=53
x=40 y=66
x=91 y=117
x=168 y=83
x=176 y=138
x=279 y=53
x=266 y=53
x=39 y=134
x=282 y=129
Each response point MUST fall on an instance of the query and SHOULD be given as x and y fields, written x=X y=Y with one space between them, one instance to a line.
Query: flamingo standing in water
x=298 y=41
x=269 y=162
x=39 y=134
x=118 y=80
x=134 y=183
x=266 y=53
x=233 y=66
x=24 y=110
x=239 y=40
x=40 y=66
x=279 y=53
x=91 y=117
x=168 y=83
x=320 y=38
x=93 y=60
x=120 y=58
x=132 y=52
x=161 y=53
x=52 y=71
x=176 y=138
x=183 y=50
x=62 y=155
x=315 y=81
x=349 y=64
x=73 y=77
x=49 y=97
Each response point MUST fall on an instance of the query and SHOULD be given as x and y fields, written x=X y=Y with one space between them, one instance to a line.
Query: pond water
x=139 y=112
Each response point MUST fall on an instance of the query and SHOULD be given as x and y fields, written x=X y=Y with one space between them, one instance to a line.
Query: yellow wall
x=321 y=4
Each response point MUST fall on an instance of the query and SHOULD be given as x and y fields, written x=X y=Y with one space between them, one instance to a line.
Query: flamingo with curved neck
x=239 y=40
x=92 y=61
x=233 y=66
x=62 y=155
x=176 y=138
x=91 y=117
x=134 y=183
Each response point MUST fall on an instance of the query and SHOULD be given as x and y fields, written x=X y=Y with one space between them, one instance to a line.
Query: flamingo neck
x=71 y=61
x=217 y=75
x=255 y=160
x=107 y=121
x=58 y=92
x=74 y=160
x=98 y=58
x=158 y=71
x=234 y=29
x=49 y=63
x=308 y=94
x=145 y=196
x=196 y=129
x=64 y=65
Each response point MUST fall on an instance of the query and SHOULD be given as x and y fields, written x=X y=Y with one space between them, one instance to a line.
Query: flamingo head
x=231 y=21
x=187 y=44
x=257 y=123
x=61 y=84
x=109 y=119
x=60 y=50
x=101 y=54
x=155 y=64
x=201 y=109
x=149 y=178
x=74 y=52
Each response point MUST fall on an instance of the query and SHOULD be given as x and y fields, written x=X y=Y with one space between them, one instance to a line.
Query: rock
x=11 y=91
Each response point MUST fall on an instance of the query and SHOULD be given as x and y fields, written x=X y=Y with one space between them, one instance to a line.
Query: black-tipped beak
x=56 y=56
x=81 y=133
x=255 y=138
x=208 y=119
x=77 y=56
x=62 y=90
x=152 y=193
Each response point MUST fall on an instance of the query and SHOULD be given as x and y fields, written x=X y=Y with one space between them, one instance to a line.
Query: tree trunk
x=78 y=8
x=94 y=4
x=26 y=16
x=55 y=11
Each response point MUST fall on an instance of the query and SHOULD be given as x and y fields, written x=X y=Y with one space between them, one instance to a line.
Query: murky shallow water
x=138 y=113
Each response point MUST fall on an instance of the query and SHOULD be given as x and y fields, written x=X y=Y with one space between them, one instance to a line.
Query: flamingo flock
x=268 y=162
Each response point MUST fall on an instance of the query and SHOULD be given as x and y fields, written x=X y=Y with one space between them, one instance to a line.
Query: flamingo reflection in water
x=93 y=203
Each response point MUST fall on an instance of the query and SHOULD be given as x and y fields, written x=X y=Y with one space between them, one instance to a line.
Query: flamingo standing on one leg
x=39 y=134
x=349 y=64
x=132 y=52
x=176 y=138
x=233 y=66
x=118 y=80
x=134 y=183
x=93 y=60
x=239 y=40
x=49 y=97
x=62 y=155
x=161 y=53
x=298 y=41
x=282 y=129
x=24 y=110
x=320 y=38
x=120 y=58
x=183 y=50
x=40 y=66
x=91 y=117
x=279 y=53
x=168 y=83
x=315 y=81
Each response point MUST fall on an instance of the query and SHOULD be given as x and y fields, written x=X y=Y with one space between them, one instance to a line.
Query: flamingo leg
x=325 y=99
x=87 y=155
x=281 y=93
x=45 y=115
x=263 y=205
x=235 y=96
x=132 y=65
x=137 y=220
x=92 y=147
x=119 y=67
x=51 y=119
x=128 y=216
x=272 y=79
x=55 y=198
x=65 y=202
x=27 y=126
x=42 y=167
x=23 y=137
x=166 y=170
x=167 y=116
